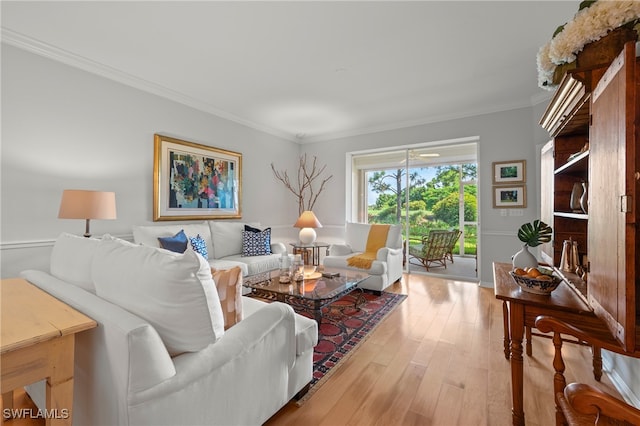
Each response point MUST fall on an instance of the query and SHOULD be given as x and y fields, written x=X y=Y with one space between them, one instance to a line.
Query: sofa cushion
x=148 y=234
x=229 y=285
x=256 y=264
x=174 y=292
x=256 y=243
x=226 y=238
x=199 y=245
x=71 y=260
x=177 y=243
x=377 y=267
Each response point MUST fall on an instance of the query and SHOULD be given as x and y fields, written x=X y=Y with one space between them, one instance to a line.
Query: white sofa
x=385 y=270
x=124 y=372
x=223 y=240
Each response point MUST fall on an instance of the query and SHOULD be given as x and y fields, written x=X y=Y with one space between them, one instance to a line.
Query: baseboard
x=619 y=383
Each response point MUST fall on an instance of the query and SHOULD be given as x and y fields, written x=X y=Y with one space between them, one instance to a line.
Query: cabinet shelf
x=581 y=216
x=577 y=165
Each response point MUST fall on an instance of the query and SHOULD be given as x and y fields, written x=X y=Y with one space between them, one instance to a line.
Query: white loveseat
x=159 y=371
x=223 y=240
x=385 y=270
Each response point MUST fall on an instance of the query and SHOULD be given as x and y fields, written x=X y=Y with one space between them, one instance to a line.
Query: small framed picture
x=505 y=172
x=505 y=197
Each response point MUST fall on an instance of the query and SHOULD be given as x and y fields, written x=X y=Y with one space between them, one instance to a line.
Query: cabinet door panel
x=609 y=294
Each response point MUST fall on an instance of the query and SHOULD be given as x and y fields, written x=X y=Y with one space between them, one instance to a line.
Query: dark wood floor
x=436 y=360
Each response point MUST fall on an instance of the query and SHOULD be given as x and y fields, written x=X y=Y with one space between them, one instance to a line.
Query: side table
x=314 y=249
x=37 y=342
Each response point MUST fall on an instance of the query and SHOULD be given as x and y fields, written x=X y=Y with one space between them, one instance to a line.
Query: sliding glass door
x=422 y=188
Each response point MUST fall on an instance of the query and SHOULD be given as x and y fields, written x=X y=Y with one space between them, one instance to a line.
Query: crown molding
x=46 y=50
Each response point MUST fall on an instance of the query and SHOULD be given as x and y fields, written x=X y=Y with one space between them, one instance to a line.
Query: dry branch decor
x=308 y=184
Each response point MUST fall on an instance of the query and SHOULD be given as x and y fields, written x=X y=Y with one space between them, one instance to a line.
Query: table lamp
x=87 y=205
x=307 y=221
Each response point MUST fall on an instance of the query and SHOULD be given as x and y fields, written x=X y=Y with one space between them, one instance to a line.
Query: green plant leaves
x=534 y=234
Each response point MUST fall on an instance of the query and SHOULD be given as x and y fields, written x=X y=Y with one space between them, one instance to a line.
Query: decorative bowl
x=535 y=285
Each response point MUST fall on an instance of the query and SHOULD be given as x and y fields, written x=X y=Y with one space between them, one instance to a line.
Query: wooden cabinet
x=598 y=106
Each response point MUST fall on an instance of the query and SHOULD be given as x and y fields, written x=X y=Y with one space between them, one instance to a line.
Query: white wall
x=502 y=136
x=63 y=128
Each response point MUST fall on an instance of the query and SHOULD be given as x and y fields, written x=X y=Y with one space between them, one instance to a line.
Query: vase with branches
x=308 y=183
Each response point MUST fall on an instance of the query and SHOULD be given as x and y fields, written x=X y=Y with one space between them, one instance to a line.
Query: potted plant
x=532 y=235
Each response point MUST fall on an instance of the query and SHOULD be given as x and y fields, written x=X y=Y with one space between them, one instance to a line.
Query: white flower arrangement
x=590 y=24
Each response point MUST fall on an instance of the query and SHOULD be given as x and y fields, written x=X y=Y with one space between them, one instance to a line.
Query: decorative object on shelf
x=304 y=190
x=595 y=35
x=584 y=200
x=193 y=181
x=532 y=235
x=584 y=149
x=509 y=172
x=87 y=205
x=569 y=260
x=576 y=195
x=307 y=221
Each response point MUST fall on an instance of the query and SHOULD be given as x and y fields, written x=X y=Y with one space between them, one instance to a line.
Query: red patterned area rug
x=344 y=327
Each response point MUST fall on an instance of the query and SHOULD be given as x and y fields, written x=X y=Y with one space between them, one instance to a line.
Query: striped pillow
x=229 y=285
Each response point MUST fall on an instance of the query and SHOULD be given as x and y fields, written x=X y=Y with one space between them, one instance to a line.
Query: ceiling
x=303 y=70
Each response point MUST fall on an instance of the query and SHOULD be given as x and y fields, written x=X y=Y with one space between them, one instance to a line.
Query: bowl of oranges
x=535 y=280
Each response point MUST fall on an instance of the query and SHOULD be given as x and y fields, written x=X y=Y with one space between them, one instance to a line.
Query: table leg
x=59 y=390
x=528 y=336
x=597 y=363
x=505 y=320
x=516 y=322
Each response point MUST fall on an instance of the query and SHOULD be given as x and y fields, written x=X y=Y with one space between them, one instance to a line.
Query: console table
x=37 y=342
x=520 y=310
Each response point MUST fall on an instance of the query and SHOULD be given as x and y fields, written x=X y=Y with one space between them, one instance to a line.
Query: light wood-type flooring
x=436 y=360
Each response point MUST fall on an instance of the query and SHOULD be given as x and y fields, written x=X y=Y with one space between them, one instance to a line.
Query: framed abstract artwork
x=194 y=181
x=509 y=172
x=505 y=197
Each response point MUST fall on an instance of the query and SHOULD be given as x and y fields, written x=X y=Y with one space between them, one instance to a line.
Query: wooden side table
x=520 y=310
x=37 y=342
x=313 y=249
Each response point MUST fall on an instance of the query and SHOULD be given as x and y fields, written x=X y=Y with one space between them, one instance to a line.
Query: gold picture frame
x=510 y=197
x=509 y=172
x=195 y=181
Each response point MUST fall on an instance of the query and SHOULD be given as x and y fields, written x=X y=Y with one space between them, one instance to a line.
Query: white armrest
x=385 y=253
x=339 y=249
x=278 y=248
x=246 y=347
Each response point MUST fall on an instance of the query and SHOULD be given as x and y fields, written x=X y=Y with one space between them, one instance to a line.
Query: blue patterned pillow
x=199 y=246
x=177 y=243
x=256 y=243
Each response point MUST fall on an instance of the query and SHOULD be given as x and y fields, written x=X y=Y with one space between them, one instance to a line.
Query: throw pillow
x=229 y=285
x=251 y=229
x=71 y=260
x=177 y=243
x=199 y=245
x=174 y=292
x=256 y=243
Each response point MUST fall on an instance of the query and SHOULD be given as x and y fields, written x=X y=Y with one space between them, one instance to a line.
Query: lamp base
x=307 y=235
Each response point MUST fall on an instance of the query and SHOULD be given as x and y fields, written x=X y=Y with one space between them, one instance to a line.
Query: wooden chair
x=583 y=405
x=579 y=404
x=452 y=244
x=435 y=248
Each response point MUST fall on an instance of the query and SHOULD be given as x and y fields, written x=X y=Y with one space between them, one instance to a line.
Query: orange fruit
x=533 y=273
x=519 y=271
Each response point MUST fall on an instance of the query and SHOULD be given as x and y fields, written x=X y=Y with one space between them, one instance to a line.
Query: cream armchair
x=385 y=270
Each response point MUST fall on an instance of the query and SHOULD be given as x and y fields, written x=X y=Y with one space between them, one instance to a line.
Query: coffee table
x=311 y=294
